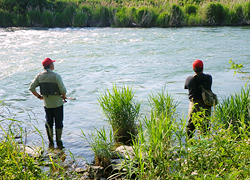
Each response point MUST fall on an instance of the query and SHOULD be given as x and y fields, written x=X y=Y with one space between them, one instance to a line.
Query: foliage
x=162 y=153
x=163 y=19
x=121 y=111
x=101 y=145
x=95 y=13
x=176 y=16
x=214 y=13
x=235 y=109
x=162 y=104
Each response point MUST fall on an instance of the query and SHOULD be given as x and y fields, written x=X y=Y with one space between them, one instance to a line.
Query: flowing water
x=91 y=60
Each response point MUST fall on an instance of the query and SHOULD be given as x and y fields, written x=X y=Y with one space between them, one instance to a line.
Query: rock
x=95 y=172
x=80 y=170
x=32 y=151
x=126 y=151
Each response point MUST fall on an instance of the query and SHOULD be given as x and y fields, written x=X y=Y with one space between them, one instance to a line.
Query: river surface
x=92 y=60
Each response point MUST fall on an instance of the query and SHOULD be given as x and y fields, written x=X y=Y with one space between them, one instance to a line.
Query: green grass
x=122 y=112
x=162 y=151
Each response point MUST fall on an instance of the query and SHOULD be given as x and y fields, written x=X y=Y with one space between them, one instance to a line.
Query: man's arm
x=32 y=88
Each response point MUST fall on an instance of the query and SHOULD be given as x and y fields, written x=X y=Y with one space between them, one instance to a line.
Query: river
x=91 y=60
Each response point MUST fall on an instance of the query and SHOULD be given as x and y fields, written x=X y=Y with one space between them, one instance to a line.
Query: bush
x=47 y=19
x=20 y=20
x=176 y=16
x=234 y=110
x=144 y=17
x=190 y=9
x=236 y=14
x=122 y=112
x=214 y=14
x=80 y=20
x=34 y=17
x=163 y=19
x=121 y=18
x=68 y=15
x=5 y=20
x=102 y=16
x=247 y=12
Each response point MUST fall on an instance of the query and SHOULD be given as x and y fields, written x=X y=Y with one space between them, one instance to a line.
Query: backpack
x=209 y=98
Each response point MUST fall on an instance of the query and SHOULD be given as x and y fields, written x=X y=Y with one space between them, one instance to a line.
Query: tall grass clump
x=214 y=14
x=102 y=16
x=48 y=19
x=123 y=18
x=163 y=19
x=34 y=17
x=83 y=17
x=176 y=16
x=144 y=16
x=122 y=112
x=68 y=15
x=247 y=12
x=14 y=162
x=162 y=103
x=157 y=141
x=235 y=110
x=102 y=145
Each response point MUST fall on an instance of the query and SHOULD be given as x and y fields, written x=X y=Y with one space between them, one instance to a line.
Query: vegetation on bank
x=123 y=13
x=160 y=146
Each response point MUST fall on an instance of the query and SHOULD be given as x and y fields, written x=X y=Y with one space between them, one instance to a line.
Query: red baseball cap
x=47 y=61
x=197 y=63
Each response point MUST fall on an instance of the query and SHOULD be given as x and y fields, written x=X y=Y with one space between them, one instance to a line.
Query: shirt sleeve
x=35 y=83
x=60 y=84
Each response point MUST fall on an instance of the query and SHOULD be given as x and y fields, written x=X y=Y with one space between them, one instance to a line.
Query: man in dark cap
x=53 y=92
x=193 y=84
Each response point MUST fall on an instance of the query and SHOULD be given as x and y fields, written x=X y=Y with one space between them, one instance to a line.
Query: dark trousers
x=194 y=107
x=54 y=115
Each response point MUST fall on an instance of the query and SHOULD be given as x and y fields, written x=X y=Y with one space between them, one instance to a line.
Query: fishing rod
x=69 y=99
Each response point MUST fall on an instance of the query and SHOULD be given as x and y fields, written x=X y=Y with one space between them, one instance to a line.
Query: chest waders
x=48 y=86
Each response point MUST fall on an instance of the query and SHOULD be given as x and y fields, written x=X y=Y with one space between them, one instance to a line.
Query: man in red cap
x=53 y=92
x=193 y=84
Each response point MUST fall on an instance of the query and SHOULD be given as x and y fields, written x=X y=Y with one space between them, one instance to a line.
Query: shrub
x=190 y=9
x=47 y=19
x=68 y=15
x=5 y=20
x=247 y=12
x=144 y=16
x=176 y=16
x=34 y=17
x=122 y=112
x=236 y=14
x=102 y=16
x=80 y=20
x=234 y=110
x=101 y=145
x=214 y=14
x=163 y=19
x=122 y=18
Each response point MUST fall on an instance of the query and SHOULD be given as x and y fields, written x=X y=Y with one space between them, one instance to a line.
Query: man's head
x=198 y=66
x=47 y=63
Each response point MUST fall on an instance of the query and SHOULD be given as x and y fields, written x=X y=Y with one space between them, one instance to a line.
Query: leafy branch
x=238 y=68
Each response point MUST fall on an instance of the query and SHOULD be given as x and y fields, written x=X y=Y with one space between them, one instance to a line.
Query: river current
x=92 y=60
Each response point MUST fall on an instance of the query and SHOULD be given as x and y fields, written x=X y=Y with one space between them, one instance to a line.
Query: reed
x=48 y=19
x=102 y=145
x=235 y=109
x=121 y=111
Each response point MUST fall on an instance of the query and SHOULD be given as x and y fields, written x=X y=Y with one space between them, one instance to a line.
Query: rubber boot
x=58 y=139
x=50 y=137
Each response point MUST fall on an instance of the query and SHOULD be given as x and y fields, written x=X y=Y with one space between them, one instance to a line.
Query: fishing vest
x=47 y=83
